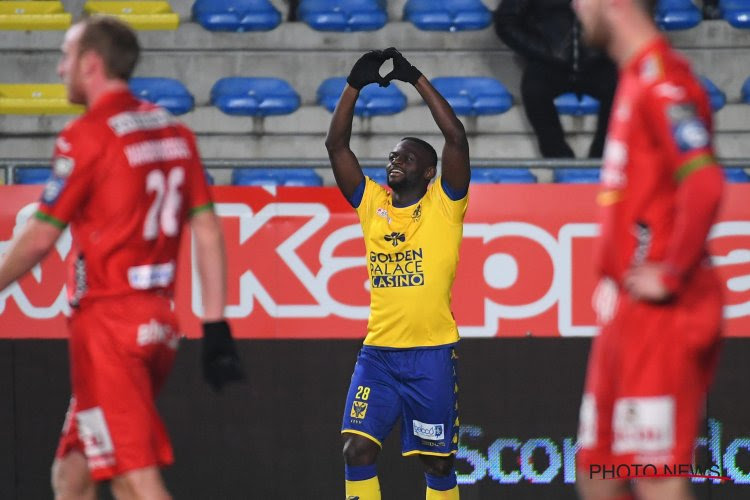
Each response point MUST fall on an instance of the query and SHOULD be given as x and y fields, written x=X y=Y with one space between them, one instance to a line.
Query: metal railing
x=10 y=165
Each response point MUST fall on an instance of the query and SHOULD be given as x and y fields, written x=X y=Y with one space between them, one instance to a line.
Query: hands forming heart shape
x=367 y=69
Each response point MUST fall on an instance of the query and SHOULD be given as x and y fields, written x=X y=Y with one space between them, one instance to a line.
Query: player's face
x=406 y=166
x=69 y=67
x=595 y=29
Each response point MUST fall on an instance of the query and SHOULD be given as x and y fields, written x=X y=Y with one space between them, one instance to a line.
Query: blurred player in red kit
x=126 y=178
x=659 y=302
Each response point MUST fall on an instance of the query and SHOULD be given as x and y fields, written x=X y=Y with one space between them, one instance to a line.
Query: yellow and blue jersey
x=412 y=254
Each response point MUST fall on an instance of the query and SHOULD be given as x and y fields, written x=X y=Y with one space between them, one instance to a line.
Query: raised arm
x=345 y=165
x=455 y=158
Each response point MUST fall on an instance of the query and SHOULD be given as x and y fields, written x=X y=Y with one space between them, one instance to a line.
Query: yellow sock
x=369 y=489
x=451 y=494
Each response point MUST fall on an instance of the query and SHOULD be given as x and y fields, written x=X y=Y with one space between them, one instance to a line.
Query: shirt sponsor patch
x=63 y=166
x=691 y=134
x=430 y=432
x=151 y=276
x=129 y=122
x=644 y=425
x=52 y=190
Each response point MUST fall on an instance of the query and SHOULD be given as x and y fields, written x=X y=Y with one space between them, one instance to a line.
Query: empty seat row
x=259 y=96
x=685 y=14
x=253 y=176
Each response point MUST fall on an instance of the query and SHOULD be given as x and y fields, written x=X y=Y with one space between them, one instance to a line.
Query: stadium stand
x=343 y=15
x=254 y=96
x=33 y=15
x=474 y=96
x=275 y=177
x=236 y=15
x=490 y=175
x=677 y=14
x=141 y=15
x=447 y=15
x=376 y=174
x=736 y=174
x=36 y=99
x=373 y=99
x=576 y=105
x=746 y=91
x=169 y=93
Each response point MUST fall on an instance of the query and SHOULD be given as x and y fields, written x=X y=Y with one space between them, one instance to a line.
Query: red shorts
x=648 y=374
x=121 y=351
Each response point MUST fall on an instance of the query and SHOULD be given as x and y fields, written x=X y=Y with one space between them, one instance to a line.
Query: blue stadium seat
x=168 y=93
x=677 y=14
x=498 y=175
x=577 y=175
x=247 y=96
x=236 y=15
x=447 y=15
x=716 y=96
x=377 y=174
x=572 y=104
x=474 y=96
x=746 y=91
x=209 y=178
x=736 y=12
x=374 y=100
x=736 y=174
x=32 y=175
x=343 y=15
x=275 y=177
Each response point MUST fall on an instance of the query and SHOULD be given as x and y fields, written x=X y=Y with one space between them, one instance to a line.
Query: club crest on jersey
x=417 y=213
x=359 y=410
x=395 y=238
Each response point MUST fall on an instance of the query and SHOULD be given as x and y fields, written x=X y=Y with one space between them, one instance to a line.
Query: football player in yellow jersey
x=407 y=367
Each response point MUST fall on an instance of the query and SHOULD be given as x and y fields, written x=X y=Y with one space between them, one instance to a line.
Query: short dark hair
x=431 y=153
x=114 y=41
x=649 y=6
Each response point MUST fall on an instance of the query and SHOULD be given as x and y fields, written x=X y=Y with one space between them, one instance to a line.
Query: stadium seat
x=746 y=91
x=141 y=15
x=31 y=175
x=343 y=15
x=236 y=15
x=572 y=104
x=736 y=12
x=36 y=99
x=168 y=93
x=576 y=175
x=246 y=96
x=374 y=100
x=474 y=96
x=33 y=15
x=275 y=177
x=447 y=15
x=377 y=174
x=498 y=175
x=736 y=174
x=677 y=14
x=716 y=96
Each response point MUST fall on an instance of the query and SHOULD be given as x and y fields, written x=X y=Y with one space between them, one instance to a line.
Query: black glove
x=367 y=70
x=221 y=364
x=402 y=69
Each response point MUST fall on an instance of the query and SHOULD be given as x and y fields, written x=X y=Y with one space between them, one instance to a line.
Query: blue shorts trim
x=418 y=386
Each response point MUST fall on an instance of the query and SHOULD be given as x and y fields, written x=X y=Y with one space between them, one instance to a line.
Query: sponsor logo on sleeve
x=63 y=166
x=691 y=134
x=52 y=190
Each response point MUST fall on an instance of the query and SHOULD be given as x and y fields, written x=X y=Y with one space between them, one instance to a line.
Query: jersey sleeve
x=73 y=169
x=680 y=118
x=373 y=194
x=198 y=196
x=454 y=210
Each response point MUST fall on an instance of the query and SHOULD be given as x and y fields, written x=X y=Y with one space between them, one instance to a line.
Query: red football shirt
x=126 y=177
x=659 y=133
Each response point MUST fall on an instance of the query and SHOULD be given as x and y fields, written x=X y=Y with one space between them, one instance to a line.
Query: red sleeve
x=198 y=194
x=72 y=172
x=681 y=119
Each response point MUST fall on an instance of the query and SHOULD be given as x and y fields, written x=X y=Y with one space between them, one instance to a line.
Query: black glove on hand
x=402 y=69
x=367 y=70
x=221 y=364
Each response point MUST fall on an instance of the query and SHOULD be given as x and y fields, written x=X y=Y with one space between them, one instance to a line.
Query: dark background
x=277 y=437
